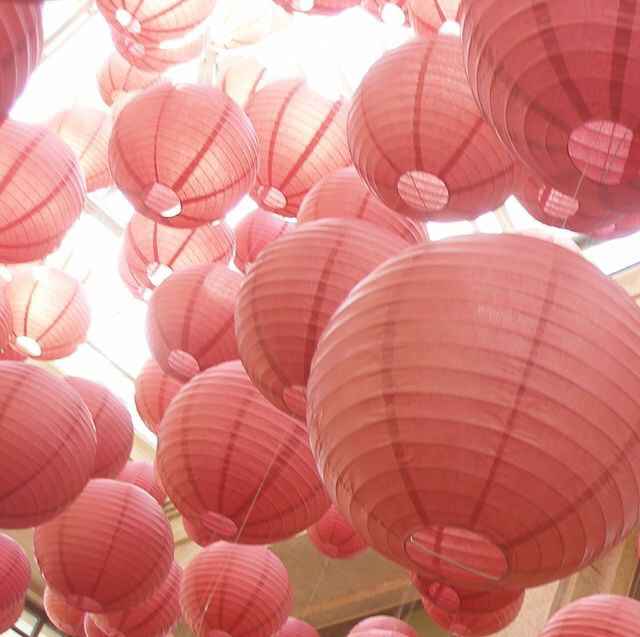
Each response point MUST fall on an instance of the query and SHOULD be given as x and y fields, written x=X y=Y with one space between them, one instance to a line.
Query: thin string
x=323 y=571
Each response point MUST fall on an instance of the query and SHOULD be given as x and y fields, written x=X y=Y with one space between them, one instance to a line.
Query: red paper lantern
x=294 y=627
x=117 y=77
x=241 y=491
x=62 y=615
x=443 y=162
x=395 y=12
x=291 y=292
x=383 y=623
x=50 y=312
x=91 y=629
x=428 y=16
x=334 y=537
x=42 y=191
x=301 y=139
x=242 y=79
x=235 y=589
x=47 y=445
x=154 y=390
x=190 y=322
x=343 y=194
x=109 y=550
x=515 y=366
x=195 y=154
x=114 y=427
x=143 y=475
x=317 y=7
x=152 y=251
x=21 y=42
x=198 y=532
x=15 y=574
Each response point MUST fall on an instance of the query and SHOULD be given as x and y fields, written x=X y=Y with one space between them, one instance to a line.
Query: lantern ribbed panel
x=117 y=77
x=143 y=475
x=188 y=146
x=190 y=322
x=427 y=16
x=248 y=473
x=444 y=441
x=255 y=232
x=242 y=79
x=197 y=532
x=10 y=615
x=148 y=244
x=440 y=160
x=383 y=623
x=317 y=7
x=91 y=629
x=289 y=295
x=154 y=390
x=344 y=195
x=379 y=8
x=294 y=627
x=21 y=42
x=6 y=327
x=47 y=445
x=41 y=191
x=154 y=617
x=334 y=537
x=15 y=575
x=109 y=550
x=62 y=615
x=50 y=308
x=301 y=139
x=235 y=589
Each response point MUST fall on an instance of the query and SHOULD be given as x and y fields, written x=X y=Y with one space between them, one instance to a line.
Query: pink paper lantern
x=294 y=627
x=428 y=16
x=15 y=575
x=334 y=537
x=197 y=532
x=242 y=79
x=317 y=7
x=117 y=77
x=62 y=615
x=383 y=623
x=154 y=390
x=143 y=475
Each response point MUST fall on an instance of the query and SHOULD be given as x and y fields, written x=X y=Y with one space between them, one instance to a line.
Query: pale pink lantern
x=154 y=391
x=117 y=77
x=241 y=79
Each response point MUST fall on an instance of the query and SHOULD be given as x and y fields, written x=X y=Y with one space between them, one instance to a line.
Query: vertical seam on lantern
x=258 y=586
x=216 y=337
x=130 y=239
x=459 y=152
x=621 y=42
x=61 y=313
x=122 y=158
x=254 y=86
x=156 y=134
x=180 y=249
x=250 y=257
x=27 y=309
x=417 y=108
x=25 y=154
x=188 y=311
x=91 y=140
x=154 y=243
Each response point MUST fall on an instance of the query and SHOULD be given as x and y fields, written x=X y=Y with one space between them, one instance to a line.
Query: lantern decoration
x=47 y=445
x=154 y=617
x=301 y=139
x=50 y=312
x=154 y=390
x=86 y=131
x=62 y=615
x=113 y=424
x=10 y=615
x=383 y=623
x=334 y=537
x=255 y=232
x=15 y=574
x=570 y=120
x=393 y=12
x=443 y=163
x=234 y=488
x=317 y=7
x=289 y=295
x=197 y=532
x=152 y=250
x=428 y=16
x=195 y=154
x=294 y=627
x=42 y=191
x=500 y=378
x=21 y=43
x=235 y=589
x=190 y=322
x=144 y=476
x=241 y=79
x=117 y=77
x=91 y=629
x=343 y=194
x=111 y=549
x=7 y=352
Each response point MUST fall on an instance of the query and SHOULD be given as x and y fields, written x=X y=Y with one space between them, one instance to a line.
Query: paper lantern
x=91 y=629
x=559 y=82
x=62 y=615
x=114 y=427
x=235 y=589
x=183 y=155
x=15 y=574
x=317 y=7
x=6 y=327
x=109 y=550
x=343 y=194
x=10 y=615
x=154 y=390
x=42 y=191
x=144 y=476
x=154 y=617
x=255 y=232
x=190 y=322
x=47 y=445
x=291 y=292
x=21 y=42
x=50 y=312
x=241 y=79
x=334 y=537
x=301 y=139
x=473 y=504
x=117 y=77
x=294 y=627
x=196 y=531
x=442 y=163
x=242 y=491
x=393 y=12
x=383 y=623
x=428 y=16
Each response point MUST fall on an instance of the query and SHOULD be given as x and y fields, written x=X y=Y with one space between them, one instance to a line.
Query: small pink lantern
x=117 y=77
x=154 y=390
x=334 y=537
x=294 y=627
x=143 y=475
x=63 y=616
x=242 y=79
x=383 y=623
x=428 y=16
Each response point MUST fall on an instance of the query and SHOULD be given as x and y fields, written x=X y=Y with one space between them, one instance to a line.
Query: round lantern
x=383 y=623
x=143 y=475
x=21 y=42
x=117 y=77
x=154 y=390
x=15 y=574
x=317 y=7
x=50 y=312
x=196 y=531
x=442 y=163
x=47 y=445
x=109 y=550
x=294 y=627
x=428 y=16
x=241 y=491
x=558 y=82
x=301 y=139
x=91 y=629
x=234 y=589
x=114 y=427
x=42 y=191
x=334 y=537
x=474 y=504
x=291 y=292
x=344 y=194
x=255 y=232
x=183 y=155
x=241 y=79
x=62 y=615
x=152 y=251
x=154 y=617
x=190 y=322
x=392 y=12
